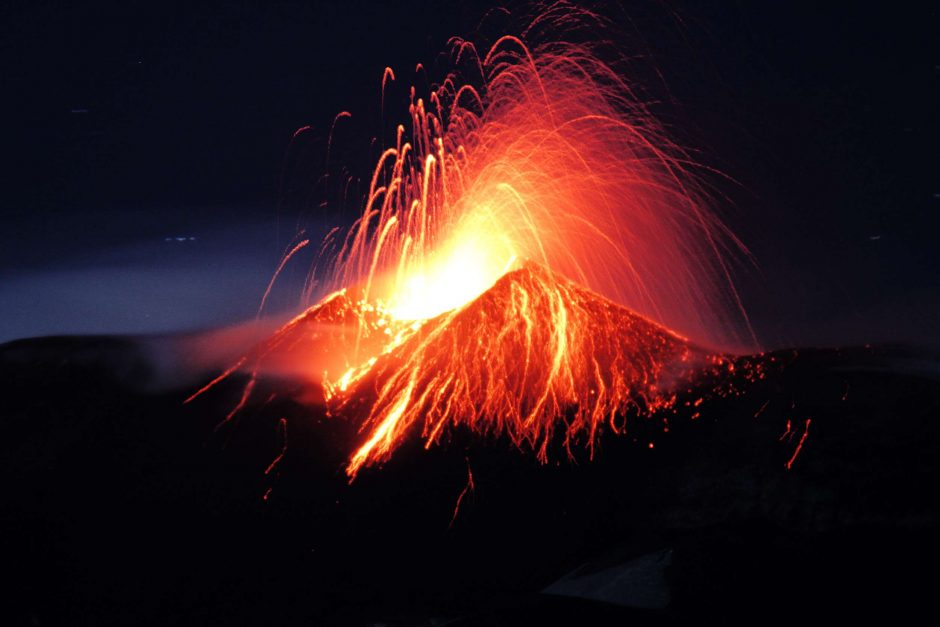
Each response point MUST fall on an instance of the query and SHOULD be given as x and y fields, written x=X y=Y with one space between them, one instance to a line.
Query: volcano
x=536 y=358
x=452 y=303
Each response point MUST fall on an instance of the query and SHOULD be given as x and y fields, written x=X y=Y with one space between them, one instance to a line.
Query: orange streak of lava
x=486 y=284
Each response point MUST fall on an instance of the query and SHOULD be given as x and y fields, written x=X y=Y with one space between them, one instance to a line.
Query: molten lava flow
x=487 y=283
x=535 y=355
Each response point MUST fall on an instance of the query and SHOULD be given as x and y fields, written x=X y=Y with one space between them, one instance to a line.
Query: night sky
x=150 y=184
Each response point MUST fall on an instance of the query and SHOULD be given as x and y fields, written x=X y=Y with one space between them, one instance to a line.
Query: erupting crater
x=534 y=358
x=532 y=355
x=514 y=248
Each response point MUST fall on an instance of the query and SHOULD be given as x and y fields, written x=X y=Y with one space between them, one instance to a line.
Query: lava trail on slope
x=536 y=358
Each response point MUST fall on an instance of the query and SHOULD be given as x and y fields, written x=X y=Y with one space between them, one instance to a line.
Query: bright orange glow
x=473 y=258
x=541 y=154
x=533 y=348
x=525 y=247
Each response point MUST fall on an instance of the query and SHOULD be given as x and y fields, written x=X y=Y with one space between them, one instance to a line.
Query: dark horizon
x=135 y=124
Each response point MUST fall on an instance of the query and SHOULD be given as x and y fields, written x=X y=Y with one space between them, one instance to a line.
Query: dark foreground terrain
x=122 y=505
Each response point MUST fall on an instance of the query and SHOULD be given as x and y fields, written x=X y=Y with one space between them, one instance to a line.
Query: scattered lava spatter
x=523 y=252
x=533 y=355
x=541 y=153
x=536 y=358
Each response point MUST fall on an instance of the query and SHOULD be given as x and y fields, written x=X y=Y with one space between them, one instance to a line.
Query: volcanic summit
x=534 y=357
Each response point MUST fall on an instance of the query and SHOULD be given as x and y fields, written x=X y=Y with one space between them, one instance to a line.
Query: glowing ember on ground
x=516 y=246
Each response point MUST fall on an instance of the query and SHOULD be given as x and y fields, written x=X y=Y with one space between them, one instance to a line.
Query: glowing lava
x=457 y=272
x=539 y=153
x=534 y=357
x=515 y=247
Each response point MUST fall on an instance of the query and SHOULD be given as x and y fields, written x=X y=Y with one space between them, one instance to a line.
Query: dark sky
x=130 y=123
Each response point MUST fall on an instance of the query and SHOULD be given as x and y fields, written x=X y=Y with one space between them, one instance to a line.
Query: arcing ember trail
x=524 y=250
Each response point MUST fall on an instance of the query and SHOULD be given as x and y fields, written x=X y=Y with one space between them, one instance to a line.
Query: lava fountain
x=525 y=249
